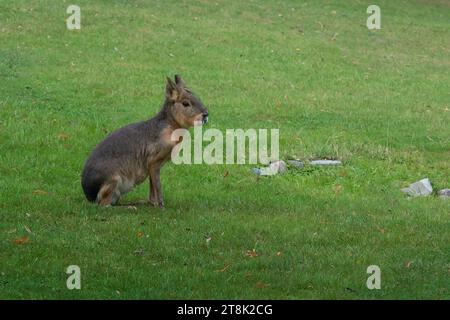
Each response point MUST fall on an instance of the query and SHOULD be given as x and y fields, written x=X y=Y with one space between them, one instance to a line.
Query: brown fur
x=131 y=154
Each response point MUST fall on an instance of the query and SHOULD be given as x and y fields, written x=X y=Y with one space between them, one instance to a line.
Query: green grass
x=377 y=100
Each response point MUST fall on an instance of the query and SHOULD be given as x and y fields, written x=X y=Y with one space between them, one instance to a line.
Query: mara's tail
x=91 y=182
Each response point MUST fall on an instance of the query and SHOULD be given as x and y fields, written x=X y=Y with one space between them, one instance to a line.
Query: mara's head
x=184 y=106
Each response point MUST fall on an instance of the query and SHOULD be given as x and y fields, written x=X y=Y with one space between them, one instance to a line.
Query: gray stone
x=278 y=166
x=444 y=193
x=273 y=169
x=256 y=171
x=419 y=188
x=296 y=163
x=325 y=163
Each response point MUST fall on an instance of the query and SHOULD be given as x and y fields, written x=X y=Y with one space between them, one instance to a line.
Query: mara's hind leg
x=109 y=193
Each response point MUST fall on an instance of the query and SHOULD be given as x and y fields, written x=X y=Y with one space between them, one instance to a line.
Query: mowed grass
x=378 y=100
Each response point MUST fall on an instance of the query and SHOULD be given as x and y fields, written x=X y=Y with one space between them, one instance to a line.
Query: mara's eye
x=186 y=103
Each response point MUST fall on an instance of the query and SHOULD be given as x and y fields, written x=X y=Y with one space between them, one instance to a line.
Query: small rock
x=273 y=169
x=267 y=171
x=296 y=163
x=444 y=193
x=256 y=171
x=419 y=188
x=325 y=163
x=278 y=166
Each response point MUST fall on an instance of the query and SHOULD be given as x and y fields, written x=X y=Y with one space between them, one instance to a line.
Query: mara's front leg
x=155 y=195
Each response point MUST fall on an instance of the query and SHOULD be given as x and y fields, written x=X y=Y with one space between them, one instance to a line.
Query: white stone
x=273 y=169
x=419 y=188
x=325 y=163
x=444 y=193
x=296 y=163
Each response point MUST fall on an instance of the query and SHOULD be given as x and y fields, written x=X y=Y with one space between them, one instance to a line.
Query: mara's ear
x=171 y=90
x=179 y=81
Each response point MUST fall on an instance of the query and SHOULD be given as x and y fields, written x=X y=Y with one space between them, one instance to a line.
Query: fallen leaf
x=261 y=285
x=408 y=264
x=251 y=253
x=337 y=189
x=226 y=173
x=21 y=240
x=140 y=234
x=342 y=173
x=279 y=253
x=63 y=136
x=40 y=192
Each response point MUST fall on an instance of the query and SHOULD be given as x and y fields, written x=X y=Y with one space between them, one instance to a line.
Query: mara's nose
x=205 y=117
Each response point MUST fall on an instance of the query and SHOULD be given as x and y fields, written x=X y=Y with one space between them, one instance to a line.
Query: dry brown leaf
x=63 y=136
x=40 y=192
x=343 y=173
x=261 y=285
x=21 y=240
x=408 y=264
x=337 y=189
x=140 y=234
x=251 y=253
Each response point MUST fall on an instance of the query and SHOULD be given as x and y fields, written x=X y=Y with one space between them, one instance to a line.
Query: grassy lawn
x=378 y=100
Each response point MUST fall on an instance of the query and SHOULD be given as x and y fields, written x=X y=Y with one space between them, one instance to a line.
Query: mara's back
x=123 y=152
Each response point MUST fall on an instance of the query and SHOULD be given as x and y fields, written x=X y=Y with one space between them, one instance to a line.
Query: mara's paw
x=157 y=204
